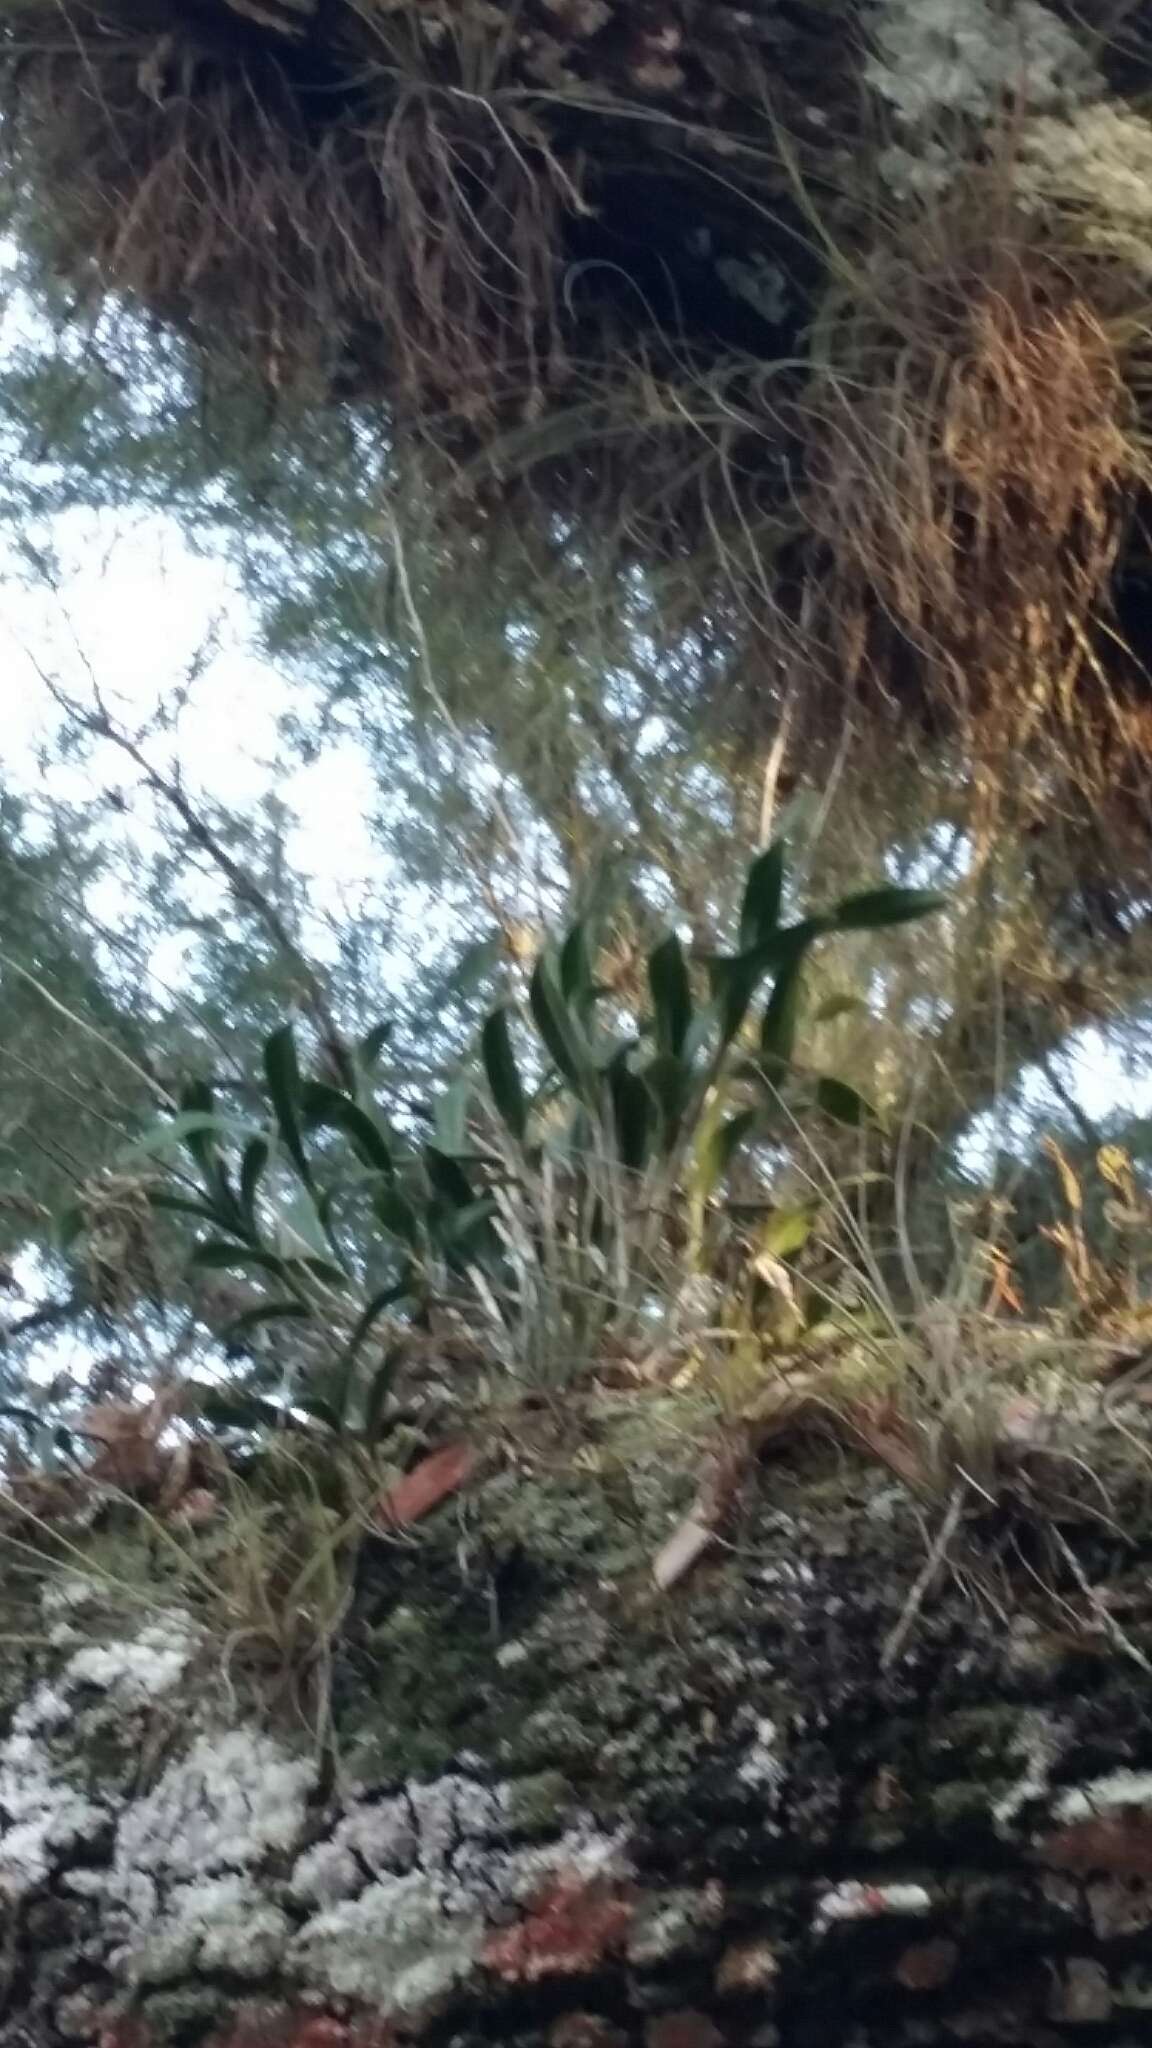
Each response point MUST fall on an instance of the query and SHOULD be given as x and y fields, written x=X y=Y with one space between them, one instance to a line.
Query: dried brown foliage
x=975 y=476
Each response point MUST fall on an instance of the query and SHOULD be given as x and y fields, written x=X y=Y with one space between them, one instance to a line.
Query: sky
x=134 y=610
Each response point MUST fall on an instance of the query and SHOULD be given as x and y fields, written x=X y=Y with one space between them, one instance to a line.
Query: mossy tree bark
x=818 y=1794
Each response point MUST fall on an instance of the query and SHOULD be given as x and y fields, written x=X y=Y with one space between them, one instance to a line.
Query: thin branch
x=925 y=1580
x=1105 y=1621
x=245 y=890
x=654 y=835
x=1068 y=1102
x=82 y=1024
x=48 y=1316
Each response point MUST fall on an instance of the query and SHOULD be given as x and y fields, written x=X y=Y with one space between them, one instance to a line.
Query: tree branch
x=245 y=890
x=50 y=1315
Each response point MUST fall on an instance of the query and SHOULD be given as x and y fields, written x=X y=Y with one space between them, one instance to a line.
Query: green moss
x=551 y=1732
x=540 y=1803
x=607 y=1502
x=567 y=1525
x=427 y=1676
x=985 y=1738
x=170 y=2015
x=418 y=1681
x=960 y=1802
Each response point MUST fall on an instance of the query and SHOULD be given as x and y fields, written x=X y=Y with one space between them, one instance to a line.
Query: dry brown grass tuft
x=370 y=223
x=386 y=198
x=975 y=470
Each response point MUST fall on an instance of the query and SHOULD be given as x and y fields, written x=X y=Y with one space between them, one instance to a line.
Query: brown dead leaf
x=128 y=1437
x=442 y=1473
x=196 y=1507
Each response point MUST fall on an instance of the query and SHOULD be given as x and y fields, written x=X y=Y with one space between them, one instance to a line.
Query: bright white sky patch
x=134 y=615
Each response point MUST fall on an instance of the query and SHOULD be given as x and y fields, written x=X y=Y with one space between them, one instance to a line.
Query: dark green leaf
x=326 y=1204
x=671 y=992
x=465 y=1230
x=183 y=1205
x=318 y=1410
x=450 y=1120
x=252 y=1166
x=361 y=1330
x=471 y=971
x=719 y=1148
x=372 y=1044
x=252 y=1319
x=842 y=1102
x=326 y=1108
x=298 y=1230
x=872 y=909
x=198 y=1129
x=705 y=1023
x=781 y=1018
x=621 y=1044
x=323 y=1269
x=669 y=1083
x=282 y=1073
x=763 y=897
x=379 y=1388
x=28 y=1418
x=736 y=978
x=503 y=1074
x=631 y=1114
x=448 y=1178
x=557 y=1026
x=70 y=1224
x=577 y=984
x=196 y=1119
x=228 y=1408
x=243 y=1258
x=64 y=1440
x=190 y=1128
x=395 y=1214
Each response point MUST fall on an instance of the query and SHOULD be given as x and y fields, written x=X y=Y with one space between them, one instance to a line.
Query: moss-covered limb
x=589 y=1816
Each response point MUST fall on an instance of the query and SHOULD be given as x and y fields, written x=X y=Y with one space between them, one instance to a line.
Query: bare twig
x=81 y=1024
x=50 y=1315
x=1105 y=1621
x=925 y=1580
x=245 y=890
